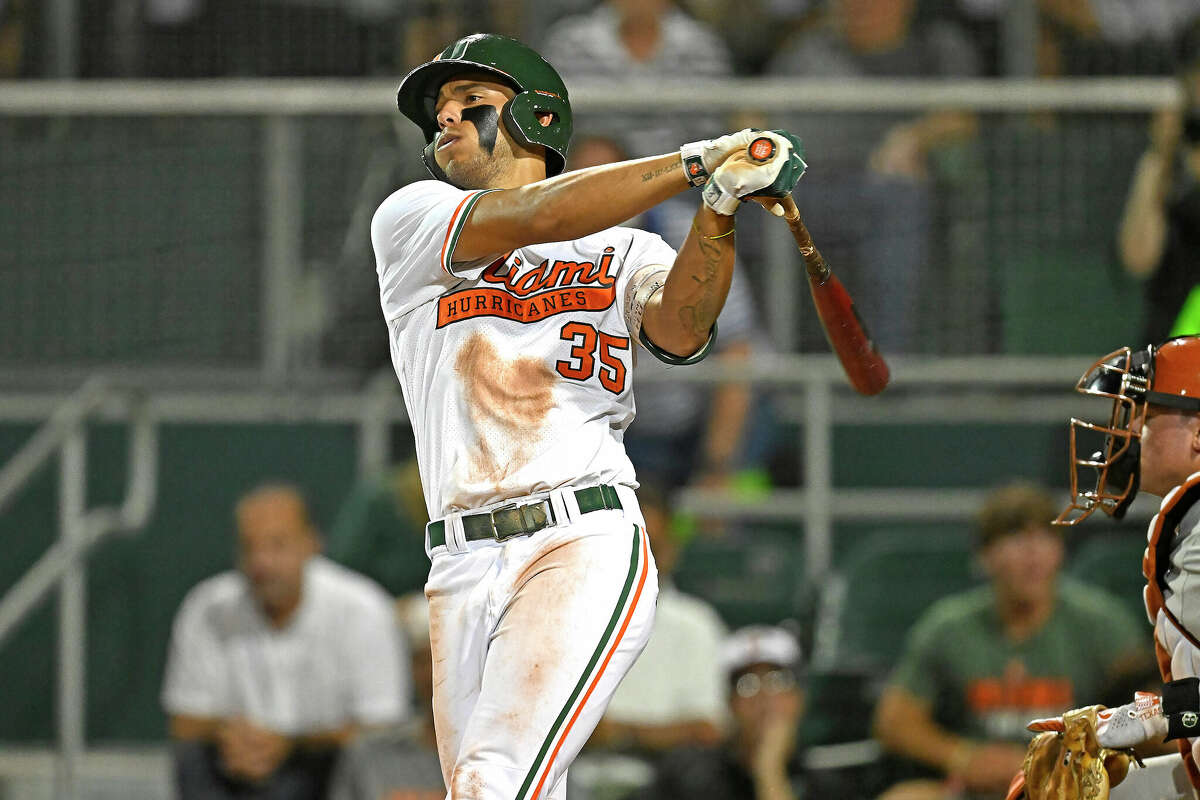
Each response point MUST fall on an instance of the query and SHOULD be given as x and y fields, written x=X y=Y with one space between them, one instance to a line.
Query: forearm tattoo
x=698 y=317
x=658 y=173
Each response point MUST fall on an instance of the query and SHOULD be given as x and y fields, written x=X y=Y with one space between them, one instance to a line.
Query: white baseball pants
x=530 y=638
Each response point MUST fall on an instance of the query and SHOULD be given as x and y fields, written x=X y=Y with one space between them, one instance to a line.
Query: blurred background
x=188 y=306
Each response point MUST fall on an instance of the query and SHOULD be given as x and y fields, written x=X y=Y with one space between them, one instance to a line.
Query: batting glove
x=701 y=159
x=1121 y=727
x=770 y=167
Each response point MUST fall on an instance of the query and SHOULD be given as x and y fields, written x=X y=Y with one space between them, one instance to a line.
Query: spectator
x=380 y=530
x=758 y=759
x=16 y=36
x=1073 y=37
x=203 y=38
x=868 y=199
x=673 y=696
x=274 y=667
x=401 y=762
x=635 y=42
x=690 y=432
x=1159 y=237
x=979 y=665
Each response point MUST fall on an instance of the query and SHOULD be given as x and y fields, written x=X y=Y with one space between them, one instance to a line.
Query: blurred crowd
x=916 y=210
x=305 y=671
x=208 y=38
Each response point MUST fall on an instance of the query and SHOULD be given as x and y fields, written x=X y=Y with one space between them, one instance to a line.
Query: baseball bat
x=861 y=360
x=844 y=329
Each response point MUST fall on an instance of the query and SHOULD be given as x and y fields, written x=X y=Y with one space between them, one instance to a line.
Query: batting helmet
x=539 y=89
x=1166 y=375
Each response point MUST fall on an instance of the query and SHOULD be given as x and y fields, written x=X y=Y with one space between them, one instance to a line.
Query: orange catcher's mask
x=1104 y=457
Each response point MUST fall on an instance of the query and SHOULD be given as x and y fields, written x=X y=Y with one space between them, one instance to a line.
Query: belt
x=515 y=519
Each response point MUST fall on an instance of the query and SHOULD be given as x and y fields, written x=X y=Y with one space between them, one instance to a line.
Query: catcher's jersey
x=516 y=370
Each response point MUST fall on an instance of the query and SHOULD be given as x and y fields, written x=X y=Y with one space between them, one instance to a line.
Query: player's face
x=1023 y=565
x=472 y=147
x=274 y=543
x=1170 y=448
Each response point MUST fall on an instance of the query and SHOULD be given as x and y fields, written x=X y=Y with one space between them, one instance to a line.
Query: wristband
x=719 y=200
x=693 y=163
x=1181 y=707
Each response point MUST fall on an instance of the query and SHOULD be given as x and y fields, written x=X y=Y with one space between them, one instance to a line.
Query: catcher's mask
x=1104 y=457
x=538 y=87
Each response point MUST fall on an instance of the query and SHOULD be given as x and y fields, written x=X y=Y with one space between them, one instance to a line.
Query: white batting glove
x=1121 y=727
x=769 y=167
x=701 y=159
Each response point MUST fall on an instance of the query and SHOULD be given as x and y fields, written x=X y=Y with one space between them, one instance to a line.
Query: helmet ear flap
x=521 y=119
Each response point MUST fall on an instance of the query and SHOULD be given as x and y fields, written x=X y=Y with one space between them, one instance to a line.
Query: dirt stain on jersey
x=508 y=401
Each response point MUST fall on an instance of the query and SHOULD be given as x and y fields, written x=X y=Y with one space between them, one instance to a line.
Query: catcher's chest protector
x=1176 y=647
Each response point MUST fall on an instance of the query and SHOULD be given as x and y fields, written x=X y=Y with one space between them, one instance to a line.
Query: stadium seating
x=883 y=585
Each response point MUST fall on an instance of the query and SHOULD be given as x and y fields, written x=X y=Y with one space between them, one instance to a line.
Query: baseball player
x=1150 y=442
x=514 y=307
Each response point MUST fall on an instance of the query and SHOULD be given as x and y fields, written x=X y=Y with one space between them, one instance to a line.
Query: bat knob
x=761 y=149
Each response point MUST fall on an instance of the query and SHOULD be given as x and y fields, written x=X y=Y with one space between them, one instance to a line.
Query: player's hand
x=701 y=159
x=1122 y=727
x=769 y=167
x=779 y=206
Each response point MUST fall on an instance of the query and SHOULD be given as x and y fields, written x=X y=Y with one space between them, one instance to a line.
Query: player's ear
x=545 y=118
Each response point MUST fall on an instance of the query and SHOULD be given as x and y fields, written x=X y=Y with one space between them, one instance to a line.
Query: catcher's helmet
x=539 y=89
x=1166 y=375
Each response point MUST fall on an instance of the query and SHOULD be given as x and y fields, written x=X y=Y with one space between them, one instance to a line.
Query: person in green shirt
x=380 y=530
x=980 y=664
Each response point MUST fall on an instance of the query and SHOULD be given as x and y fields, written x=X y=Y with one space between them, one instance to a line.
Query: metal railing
x=80 y=531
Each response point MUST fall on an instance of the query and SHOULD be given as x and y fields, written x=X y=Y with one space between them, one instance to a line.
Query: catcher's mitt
x=1070 y=764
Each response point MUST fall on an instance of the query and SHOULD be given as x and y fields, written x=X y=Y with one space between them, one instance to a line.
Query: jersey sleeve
x=649 y=249
x=414 y=233
x=645 y=249
x=195 y=681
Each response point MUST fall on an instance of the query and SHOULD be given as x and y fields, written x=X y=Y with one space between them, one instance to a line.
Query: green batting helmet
x=538 y=87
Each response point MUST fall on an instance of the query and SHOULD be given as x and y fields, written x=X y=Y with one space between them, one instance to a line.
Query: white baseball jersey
x=516 y=370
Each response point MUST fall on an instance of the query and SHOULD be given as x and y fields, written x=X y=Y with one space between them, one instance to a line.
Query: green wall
x=136 y=583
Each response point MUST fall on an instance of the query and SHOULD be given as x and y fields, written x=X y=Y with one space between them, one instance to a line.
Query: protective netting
x=140 y=240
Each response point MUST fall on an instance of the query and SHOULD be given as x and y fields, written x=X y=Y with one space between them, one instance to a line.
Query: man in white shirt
x=273 y=667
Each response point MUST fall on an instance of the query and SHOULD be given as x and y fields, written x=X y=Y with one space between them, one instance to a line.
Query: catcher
x=1150 y=442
